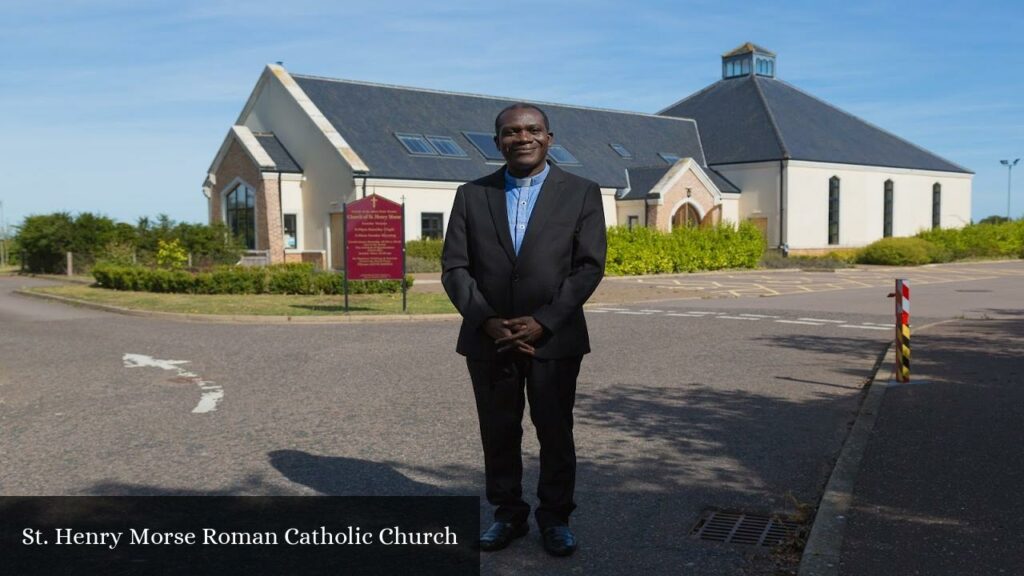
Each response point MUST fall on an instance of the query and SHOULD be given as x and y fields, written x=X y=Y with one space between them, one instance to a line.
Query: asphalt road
x=682 y=406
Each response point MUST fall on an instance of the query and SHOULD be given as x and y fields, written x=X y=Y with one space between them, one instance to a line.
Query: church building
x=750 y=147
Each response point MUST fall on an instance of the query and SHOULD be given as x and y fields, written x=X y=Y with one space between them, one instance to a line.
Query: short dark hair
x=520 y=106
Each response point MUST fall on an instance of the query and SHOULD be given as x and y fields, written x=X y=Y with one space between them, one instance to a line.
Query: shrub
x=897 y=252
x=277 y=279
x=646 y=251
x=991 y=240
x=427 y=249
x=171 y=254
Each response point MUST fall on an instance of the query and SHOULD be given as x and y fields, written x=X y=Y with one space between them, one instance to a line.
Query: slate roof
x=641 y=180
x=277 y=152
x=753 y=118
x=746 y=48
x=367 y=116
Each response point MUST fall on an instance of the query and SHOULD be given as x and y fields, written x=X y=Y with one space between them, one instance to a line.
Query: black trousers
x=551 y=388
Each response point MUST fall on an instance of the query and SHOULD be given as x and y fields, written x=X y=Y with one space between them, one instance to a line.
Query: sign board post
x=374 y=241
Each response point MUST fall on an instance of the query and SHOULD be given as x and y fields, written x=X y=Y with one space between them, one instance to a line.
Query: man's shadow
x=340 y=476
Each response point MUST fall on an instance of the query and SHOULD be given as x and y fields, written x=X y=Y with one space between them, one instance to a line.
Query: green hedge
x=900 y=252
x=428 y=249
x=646 y=251
x=277 y=279
x=995 y=240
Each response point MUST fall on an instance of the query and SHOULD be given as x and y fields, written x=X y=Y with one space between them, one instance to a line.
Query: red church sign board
x=374 y=237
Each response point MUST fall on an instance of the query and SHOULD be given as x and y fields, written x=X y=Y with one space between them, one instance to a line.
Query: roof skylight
x=416 y=144
x=446 y=146
x=668 y=157
x=484 y=142
x=621 y=150
x=560 y=155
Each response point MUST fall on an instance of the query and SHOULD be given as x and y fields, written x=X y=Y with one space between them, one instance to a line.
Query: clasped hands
x=515 y=333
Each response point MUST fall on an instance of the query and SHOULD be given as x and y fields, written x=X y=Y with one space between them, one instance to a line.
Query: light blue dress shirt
x=520 y=198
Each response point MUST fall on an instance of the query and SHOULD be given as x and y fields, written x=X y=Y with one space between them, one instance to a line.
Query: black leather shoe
x=559 y=540
x=501 y=534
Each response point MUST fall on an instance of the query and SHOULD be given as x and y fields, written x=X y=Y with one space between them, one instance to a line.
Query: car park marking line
x=634 y=313
x=866 y=327
x=736 y=318
x=211 y=395
x=823 y=320
x=683 y=315
x=607 y=309
x=759 y=315
x=652 y=311
x=799 y=322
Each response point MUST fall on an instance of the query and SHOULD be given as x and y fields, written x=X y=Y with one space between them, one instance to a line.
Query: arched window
x=936 y=205
x=887 y=216
x=240 y=212
x=833 y=210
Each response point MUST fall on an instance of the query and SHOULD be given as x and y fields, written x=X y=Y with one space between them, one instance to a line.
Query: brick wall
x=236 y=164
x=660 y=216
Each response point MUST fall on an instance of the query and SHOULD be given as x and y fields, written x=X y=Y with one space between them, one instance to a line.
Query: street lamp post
x=3 y=236
x=1009 y=180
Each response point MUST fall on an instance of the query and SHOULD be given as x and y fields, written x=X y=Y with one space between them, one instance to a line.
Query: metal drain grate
x=743 y=528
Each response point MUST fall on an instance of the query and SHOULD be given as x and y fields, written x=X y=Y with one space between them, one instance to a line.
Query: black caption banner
x=166 y=535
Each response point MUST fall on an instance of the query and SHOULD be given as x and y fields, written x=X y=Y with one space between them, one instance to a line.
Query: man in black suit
x=524 y=250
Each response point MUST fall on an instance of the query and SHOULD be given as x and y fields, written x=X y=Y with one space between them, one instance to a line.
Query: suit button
x=515 y=277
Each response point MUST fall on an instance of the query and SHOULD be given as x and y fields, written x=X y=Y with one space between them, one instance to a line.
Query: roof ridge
x=771 y=117
x=685 y=98
x=488 y=97
x=876 y=127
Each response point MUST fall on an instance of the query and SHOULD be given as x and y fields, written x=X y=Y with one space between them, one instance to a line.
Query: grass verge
x=256 y=304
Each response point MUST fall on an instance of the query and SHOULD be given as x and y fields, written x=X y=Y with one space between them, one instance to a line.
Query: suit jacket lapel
x=499 y=212
x=546 y=202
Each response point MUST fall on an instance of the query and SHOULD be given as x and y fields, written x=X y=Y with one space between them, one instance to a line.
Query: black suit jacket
x=560 y=262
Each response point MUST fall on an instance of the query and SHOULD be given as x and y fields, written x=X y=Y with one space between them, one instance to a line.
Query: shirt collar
x=536 y=180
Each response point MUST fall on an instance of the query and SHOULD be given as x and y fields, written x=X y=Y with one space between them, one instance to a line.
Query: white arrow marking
x=212 y=393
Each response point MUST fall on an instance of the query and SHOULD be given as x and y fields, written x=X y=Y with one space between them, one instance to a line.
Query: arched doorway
x=686 y=216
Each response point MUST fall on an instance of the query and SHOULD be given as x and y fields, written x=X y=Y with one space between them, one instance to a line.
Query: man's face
x=524 y=141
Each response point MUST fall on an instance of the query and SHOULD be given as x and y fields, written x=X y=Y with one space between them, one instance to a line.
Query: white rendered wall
x=608 y=202
x=861 y=202
x=731 y=208
x=627 y=208
x=328 y=176
x=420 y=196
x=759 y=197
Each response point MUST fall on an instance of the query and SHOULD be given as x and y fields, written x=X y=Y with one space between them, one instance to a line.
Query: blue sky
x=118 y=107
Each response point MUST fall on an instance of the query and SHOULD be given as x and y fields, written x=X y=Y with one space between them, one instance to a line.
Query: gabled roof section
x=646 y=179
x=752 y=119
x=643 y=179
x=734 y=121
x=283 y=161
x=368 y=116
x=746 y=48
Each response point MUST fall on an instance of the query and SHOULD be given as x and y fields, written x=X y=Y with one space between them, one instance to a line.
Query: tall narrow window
x=833 y=210
x=240 y=213
x=632 y=222
x=291 y=236
x=887 y=217
x=936 y=205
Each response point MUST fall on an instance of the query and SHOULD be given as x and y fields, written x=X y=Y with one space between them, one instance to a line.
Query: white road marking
x=823 y=320
x=889 y=325
x=685 y=315
x=212 y=393
x=702 y=312
x=800 y=322
x=607 y=309
x=759 y=315
x=597 y=310
x=866 y=327
x=634 y=313
x=735 y=318
x=652 y=311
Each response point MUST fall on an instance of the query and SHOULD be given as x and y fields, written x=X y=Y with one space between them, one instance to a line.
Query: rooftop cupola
x=747 y=60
